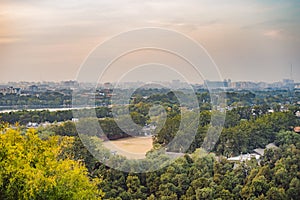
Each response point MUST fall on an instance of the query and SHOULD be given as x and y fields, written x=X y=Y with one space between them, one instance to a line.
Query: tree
x=294 y=188
x=168 y=132
x=32 y=168
x=134 y=187
x=275 y=193
x=204 y=193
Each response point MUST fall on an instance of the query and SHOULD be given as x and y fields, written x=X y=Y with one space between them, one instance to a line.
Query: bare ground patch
x=132 y=148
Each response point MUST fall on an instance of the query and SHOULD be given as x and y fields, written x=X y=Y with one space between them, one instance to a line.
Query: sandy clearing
x=132 y=148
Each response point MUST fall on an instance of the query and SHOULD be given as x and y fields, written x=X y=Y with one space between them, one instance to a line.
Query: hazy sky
x=248 y=39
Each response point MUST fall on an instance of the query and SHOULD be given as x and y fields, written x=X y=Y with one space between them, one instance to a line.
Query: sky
x=48 y=40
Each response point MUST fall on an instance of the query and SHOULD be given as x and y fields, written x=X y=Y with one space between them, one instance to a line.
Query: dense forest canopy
x=52 y=162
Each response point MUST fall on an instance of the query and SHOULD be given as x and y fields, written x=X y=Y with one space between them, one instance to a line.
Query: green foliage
x=254 y=133
x=34 y=168
x=31 y=169
x=202 y=176
x=25 y=116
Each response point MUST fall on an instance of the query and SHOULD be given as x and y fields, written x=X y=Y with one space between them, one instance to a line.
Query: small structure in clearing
x=257 y=154
x=297 y=129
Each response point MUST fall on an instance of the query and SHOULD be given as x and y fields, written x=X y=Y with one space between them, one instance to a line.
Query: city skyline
x=228 y=83
x=249 y=41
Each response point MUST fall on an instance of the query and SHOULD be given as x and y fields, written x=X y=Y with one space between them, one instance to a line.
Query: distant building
x=288 y=83
x=107 y=85
x=244 y=157
x=261 y=152
x=216 y=84
x=70 y=84
x=75 y=119
x=276 y=85
x=33 y=89
x=32 y=125
x=257 y=154
x=245 y=85
x=43 y=87
x=147 y=130
x=10 y=90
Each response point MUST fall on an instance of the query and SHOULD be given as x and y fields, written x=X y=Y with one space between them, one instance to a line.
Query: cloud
x=57 y=34
x=273 y=33
x=8 y=40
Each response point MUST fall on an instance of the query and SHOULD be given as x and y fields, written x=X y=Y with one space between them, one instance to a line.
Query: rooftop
x=297 y=129
x=244 y=157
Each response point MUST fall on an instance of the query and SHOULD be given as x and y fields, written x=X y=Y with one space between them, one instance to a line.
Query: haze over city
x=249 y=40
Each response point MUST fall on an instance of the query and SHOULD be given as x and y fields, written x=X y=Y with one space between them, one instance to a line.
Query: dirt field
x=132 y=148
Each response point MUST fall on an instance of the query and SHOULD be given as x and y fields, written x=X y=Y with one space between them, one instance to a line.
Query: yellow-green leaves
x=31 y=168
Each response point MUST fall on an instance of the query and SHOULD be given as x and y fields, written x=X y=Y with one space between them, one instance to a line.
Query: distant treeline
x=23 y=117
x=233 y=97
x=109 y=129
x=49 y=99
